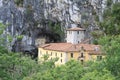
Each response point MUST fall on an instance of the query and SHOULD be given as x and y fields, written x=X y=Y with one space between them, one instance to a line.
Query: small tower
x=75 y=35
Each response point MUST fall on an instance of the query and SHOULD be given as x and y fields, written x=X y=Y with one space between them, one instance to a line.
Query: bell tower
x=75 y=35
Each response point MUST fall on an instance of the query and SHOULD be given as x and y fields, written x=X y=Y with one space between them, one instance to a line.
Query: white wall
x=75 y=38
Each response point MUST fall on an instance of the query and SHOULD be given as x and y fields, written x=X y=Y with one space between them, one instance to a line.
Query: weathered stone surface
x=29 y=18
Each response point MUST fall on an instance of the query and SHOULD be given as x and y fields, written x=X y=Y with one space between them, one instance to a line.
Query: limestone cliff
x=29 y=17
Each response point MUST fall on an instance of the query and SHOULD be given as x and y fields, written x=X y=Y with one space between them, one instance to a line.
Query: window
x=77 y=32
x=81 y=54
x=61 y=54
x=71 y=55
x=82 y=61
x=51 y=53
x=55 y=54
x=61 y=60
x=99 y=58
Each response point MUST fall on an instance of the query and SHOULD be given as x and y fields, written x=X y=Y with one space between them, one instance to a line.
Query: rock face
x=28 y=17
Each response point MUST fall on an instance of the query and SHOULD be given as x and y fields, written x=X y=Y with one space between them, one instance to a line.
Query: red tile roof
x=69 y=47
x=76 y=29
x=57 y=46
x=89 y=47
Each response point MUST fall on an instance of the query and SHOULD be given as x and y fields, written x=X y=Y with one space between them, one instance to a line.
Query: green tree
x=14 y=66
x=111 y=22
x=98 y=75
x=56 y=30
x=72 y=70
x=111 y=46
x=44 y=72
x=111 y=40
x=19 y=2
x=2 y=40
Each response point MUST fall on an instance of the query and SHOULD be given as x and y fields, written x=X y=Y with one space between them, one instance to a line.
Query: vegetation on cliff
x=16 y=66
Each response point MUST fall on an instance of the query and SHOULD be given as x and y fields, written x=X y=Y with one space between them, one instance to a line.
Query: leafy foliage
x=111 y=25
x=109 y=3
x=2 y=27
x=96 y=75
x=55 y=28
x=111 y=46
x=19 y=2
x=72 y=70
x=15 y=66
x=19 y=37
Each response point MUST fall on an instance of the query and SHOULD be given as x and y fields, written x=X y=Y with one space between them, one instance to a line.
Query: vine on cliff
x=19 y=2
x=55 y=28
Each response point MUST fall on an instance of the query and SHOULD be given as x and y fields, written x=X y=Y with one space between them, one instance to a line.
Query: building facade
x=75 y=35
x=72 y=49
x=67 y=51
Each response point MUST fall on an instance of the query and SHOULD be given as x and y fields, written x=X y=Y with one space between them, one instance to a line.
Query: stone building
x=72 y=49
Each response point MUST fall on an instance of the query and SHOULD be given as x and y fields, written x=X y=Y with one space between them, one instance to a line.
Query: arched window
x=61 y=54
x=71 y=55
x=61 y=60
x=81 y=54
x=51 y=53
x=55 y=54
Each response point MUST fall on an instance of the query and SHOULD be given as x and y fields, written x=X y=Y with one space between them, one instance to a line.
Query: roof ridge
x=45 y=45
x=75 y=29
